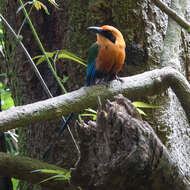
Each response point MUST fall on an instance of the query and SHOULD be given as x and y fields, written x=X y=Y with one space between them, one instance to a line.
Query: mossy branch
x=21 y=167
x=174 y=15
x=146 y=84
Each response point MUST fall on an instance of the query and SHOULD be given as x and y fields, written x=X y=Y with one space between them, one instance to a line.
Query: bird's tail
x=59 y=133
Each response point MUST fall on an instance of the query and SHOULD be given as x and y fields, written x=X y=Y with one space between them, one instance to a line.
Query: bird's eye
x=109 y=35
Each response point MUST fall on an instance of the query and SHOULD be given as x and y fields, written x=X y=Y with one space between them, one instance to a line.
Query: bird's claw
x=118 y=78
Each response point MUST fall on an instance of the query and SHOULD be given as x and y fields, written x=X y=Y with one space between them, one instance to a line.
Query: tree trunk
x=174 y=123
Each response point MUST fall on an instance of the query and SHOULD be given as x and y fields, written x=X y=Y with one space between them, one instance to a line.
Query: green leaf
x=62 y=54
x=141 y=112
x=3 y=75
x=6 y=100
x=68 y=55
x=1 y=33
x=49 y=171
x=91 y=110
x=65 y=79
x=1 y=87
x=89 y=115
x=144 y=105
x=39 y=5
x=56 y=177
x=61 y=175
x=41 y=58
x=54 y=3
x=20 y=37
x=15 y=183
x=80 y=118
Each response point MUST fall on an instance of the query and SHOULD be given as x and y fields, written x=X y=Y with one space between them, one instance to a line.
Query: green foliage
x=1 y=32
x=11 y=142
x=41 y=48
x=141 y=112
x=10 y=136
x=20 y=37
x=1 y=38
x=6 y=99
x=54 y=3
x=15 y=183
x=60 y=175
x=65 y=79
x=59 y=54
x=3 y=75
x=6 y=103
x=144 y=105
x=91 y=113
x=38 y=5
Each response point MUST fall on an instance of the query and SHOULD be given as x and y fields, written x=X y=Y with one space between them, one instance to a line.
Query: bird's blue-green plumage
x=91 y=72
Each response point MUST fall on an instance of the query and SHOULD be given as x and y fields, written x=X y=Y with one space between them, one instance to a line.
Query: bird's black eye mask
x=108 y=34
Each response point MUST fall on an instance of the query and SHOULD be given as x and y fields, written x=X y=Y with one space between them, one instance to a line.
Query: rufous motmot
x=106 y=56
x=105 y=59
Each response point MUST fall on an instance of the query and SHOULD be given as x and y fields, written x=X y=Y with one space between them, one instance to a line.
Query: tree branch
x=21 y=168
x=170 y=12
x=146 y=84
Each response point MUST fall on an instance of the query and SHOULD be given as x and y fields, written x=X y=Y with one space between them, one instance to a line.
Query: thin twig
x=99 y=103
x=41 y=47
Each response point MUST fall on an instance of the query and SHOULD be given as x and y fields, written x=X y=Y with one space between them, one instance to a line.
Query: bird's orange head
x=108 y=34
x=111 y=49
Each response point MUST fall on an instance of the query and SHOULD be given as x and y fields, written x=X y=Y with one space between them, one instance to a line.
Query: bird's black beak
x=95 y=29
x=106 y=33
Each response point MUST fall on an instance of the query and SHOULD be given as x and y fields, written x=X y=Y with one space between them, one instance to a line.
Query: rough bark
x=173 y=14
x=172 y=124
x=120 y=151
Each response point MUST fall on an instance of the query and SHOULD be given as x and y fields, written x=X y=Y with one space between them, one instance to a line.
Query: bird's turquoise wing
x=91 y=71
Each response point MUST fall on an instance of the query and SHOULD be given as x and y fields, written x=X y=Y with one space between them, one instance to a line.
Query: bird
x=106 y=56
x=105 y=59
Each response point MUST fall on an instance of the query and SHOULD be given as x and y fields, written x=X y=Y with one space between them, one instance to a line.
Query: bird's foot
x=117 y=78
x=103 y=82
